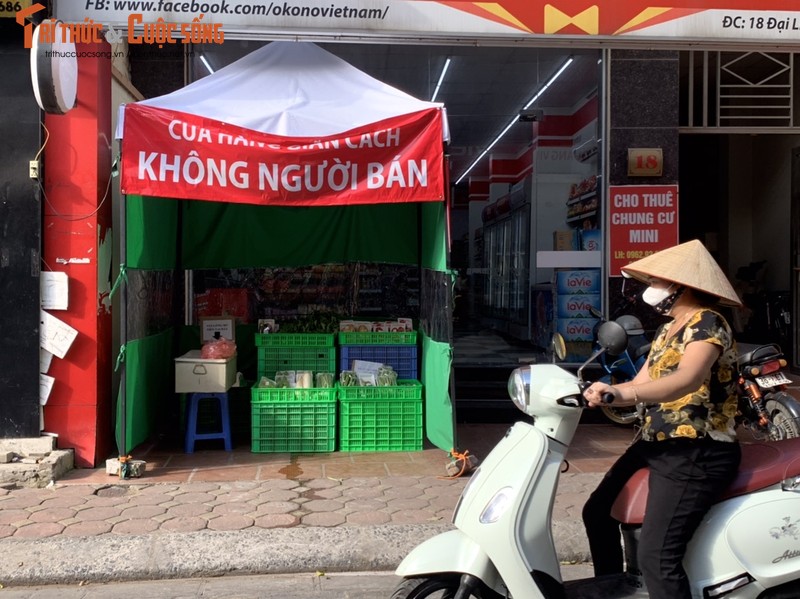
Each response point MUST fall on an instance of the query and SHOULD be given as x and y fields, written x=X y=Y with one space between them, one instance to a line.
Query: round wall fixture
x=54 y=67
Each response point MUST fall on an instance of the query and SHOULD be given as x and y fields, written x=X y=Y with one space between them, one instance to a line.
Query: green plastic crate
x=364 y=338
x=381 y=418
x=294 y=339
x=316 y=359
x=293 y=420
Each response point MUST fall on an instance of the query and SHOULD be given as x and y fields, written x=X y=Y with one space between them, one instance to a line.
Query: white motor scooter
x=748 y=545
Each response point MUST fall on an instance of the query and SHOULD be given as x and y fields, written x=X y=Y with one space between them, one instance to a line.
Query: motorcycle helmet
x=631 y=324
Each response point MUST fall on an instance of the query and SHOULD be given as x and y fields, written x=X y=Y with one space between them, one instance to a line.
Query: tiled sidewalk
x=594 y=448
x=228 y=491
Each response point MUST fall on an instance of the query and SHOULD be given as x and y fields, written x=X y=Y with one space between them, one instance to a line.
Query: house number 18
x=645 y=162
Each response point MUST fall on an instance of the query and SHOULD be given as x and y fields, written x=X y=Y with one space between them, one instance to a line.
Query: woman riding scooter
x=688 y=440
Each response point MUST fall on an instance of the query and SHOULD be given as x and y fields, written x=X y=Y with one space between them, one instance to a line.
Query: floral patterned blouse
x=711 y=409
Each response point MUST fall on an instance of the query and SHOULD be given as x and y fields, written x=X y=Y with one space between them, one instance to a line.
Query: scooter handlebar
x=606 y=397
x=579 y=401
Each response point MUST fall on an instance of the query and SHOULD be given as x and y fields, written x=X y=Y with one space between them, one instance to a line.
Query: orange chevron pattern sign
x=613 y=17
x=701 y=20
x=556 y=20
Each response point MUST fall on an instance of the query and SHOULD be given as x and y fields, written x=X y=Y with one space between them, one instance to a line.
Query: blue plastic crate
x=403 y=358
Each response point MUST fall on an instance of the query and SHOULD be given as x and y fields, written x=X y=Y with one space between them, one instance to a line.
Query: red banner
x=643 y=220
x=179 y=155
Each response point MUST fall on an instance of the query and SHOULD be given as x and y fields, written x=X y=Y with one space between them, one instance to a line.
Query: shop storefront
x=535 y=205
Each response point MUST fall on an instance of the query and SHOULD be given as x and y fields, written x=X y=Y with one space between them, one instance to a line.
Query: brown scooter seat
x=763 y=464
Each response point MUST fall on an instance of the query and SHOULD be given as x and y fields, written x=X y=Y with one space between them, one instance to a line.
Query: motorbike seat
x=763 y=464
x=760 y=354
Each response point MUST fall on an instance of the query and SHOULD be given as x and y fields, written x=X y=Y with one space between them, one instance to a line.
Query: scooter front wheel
x=438 y=587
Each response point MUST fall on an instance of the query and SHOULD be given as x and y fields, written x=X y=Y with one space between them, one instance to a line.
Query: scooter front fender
x=451 y=551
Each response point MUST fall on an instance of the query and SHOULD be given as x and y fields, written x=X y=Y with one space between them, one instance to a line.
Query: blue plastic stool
x=225 y=422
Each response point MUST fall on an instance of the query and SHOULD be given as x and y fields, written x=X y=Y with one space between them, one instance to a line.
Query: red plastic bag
x=218 y=349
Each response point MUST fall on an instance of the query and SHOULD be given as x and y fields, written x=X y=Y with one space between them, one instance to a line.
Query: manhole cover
x=112 y=491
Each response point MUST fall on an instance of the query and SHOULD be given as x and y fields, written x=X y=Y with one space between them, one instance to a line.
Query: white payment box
x=194 y=374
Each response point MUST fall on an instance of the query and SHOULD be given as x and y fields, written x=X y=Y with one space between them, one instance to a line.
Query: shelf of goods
x=387 y=291
x=381 y=418
x=583 y=201
x=581 y=207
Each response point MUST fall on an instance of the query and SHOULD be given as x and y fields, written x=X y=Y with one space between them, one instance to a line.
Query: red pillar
x=77 y=240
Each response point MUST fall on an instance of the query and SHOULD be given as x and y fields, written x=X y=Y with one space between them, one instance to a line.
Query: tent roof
x=293 y=89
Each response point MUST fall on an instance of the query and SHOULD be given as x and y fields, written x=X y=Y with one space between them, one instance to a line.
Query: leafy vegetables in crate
x=324 y=380
x=318 y=322
x=387 y=377
x=348 y=378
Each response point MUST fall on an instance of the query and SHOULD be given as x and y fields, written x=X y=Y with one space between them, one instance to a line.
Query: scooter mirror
x=559 y=347
x=612 y=337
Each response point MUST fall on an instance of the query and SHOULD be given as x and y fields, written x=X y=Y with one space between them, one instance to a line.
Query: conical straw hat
x=687 y=264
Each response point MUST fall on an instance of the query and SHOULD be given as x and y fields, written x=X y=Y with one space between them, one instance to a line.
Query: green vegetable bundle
x=324 y=380
x=348 y=378
x=387 y=377
x=282 y=380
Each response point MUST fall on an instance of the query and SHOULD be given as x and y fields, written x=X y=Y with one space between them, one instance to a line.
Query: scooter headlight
x=519 y=387
x=497 y=506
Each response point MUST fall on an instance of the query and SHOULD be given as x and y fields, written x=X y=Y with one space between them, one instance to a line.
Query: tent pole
x=122 y=409
x=451 y=340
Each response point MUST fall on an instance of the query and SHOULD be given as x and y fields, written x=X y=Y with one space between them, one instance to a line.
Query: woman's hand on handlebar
x=599 y=394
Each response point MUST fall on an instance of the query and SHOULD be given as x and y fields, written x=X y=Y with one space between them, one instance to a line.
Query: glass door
x=519 y=275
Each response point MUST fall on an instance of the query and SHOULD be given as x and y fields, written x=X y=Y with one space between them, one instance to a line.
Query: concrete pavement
x=316 y=585
x=126 y=530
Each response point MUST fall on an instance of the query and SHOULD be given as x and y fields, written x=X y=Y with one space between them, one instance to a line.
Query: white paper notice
x=54 y=290
x=45 y=357
x=54 y=335
x=45 y=386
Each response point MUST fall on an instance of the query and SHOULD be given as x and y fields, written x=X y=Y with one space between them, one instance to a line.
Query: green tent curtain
x=149 y=386
x=217 y=235
x=151 y=226
x=165 y=234
x=437 y=353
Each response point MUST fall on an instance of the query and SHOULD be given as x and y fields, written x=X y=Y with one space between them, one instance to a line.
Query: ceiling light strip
x=516 y=117
x=208 y=66
x=441 y=78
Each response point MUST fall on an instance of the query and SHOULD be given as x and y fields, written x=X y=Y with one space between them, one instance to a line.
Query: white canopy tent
x=293 y=89
x=293 y=107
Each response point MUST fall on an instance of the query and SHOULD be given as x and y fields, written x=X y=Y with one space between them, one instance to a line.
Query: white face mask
x=655 y=295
